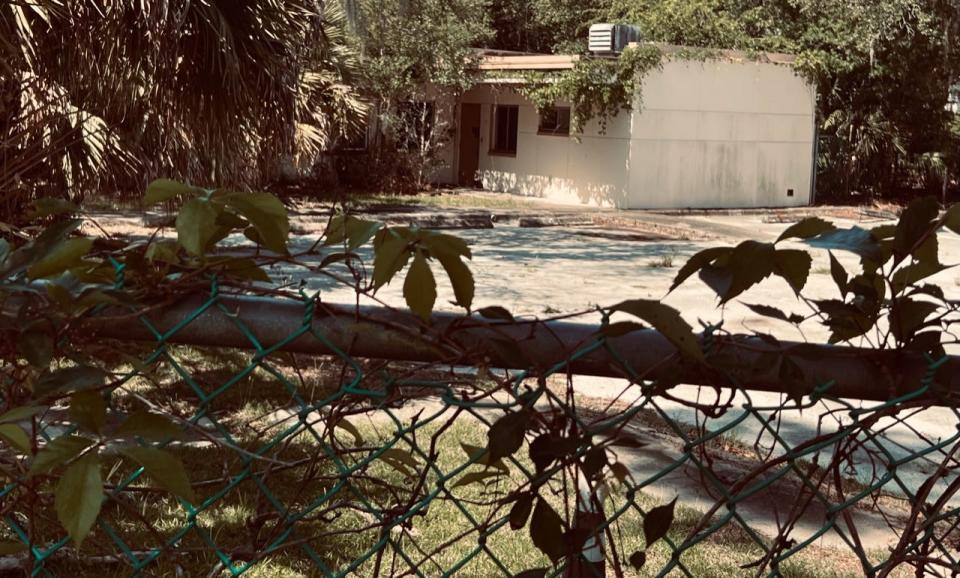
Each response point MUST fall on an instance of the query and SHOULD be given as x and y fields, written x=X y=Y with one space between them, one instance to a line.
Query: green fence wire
x=335 y=466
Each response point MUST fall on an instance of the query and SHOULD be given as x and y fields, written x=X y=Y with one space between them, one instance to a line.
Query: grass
x=458 y=200
x=662 y=261
x=242 y=518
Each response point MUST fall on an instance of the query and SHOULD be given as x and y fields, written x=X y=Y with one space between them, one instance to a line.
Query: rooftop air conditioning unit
x=612 y=38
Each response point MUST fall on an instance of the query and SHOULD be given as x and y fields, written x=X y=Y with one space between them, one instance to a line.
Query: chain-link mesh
x=335 y=466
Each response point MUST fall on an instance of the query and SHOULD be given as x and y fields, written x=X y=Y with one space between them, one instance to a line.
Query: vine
x=599 y=88
x=596 y=87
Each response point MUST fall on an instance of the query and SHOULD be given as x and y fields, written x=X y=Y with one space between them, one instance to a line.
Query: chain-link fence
x=336 y=442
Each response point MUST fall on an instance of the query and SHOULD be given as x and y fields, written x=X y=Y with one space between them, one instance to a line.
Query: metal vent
x=611 y=38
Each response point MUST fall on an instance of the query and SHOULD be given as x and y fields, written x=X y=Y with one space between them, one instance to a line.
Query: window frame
x=504 y=152
x=557 y=130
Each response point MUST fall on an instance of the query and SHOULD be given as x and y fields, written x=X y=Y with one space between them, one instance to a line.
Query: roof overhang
x=529 y=62
x=506 y=62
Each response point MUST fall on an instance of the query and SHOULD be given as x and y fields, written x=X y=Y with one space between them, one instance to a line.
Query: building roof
x=505 y=60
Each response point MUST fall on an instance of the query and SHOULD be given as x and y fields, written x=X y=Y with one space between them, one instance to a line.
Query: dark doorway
x=469 y=144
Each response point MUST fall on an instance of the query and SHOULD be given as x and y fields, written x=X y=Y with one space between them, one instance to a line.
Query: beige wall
x=712 y=134
x=722 y=134
x=592 y=171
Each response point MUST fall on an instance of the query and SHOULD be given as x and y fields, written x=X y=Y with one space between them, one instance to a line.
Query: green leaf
x=908 y=316
x=443 y=244
x=546 y=530
x=883 y=232
x=220 y=233
x=390 y=255
x=774 y=313
x=164 y=468
x=952 y=218
x=855 y=240
x=268 y=216
x=48 y=206
x=230 y=222
x=806 y=229
x=667 y=321
x=359 y=231
x=348 y=228
x=162 y=190
x=196 y=225
x=89 y=410
x=36 y=345
x=92 y=297
x=65 y=256
x=345 y=424
x=792 y=380
x=60 y=295
x=460 y=277
x=749 y=263
x=420 y=288
x=620 y=328
x=482 y=457
x=34 y=251
x=927 y=342
x=549 y=447
x=336 y=258
x=79 y=495
x=657 y=522
x=928 y=251
x=506 y=435
x=839 y=275
x=21 y=413
x=906 y=276
x=845 y=320
x=149 y=426
x=521 y=510
x=245 y=269
x=915 y=222
x=504 y=352
x=58 y=452
x=594 y=462
x=793 y=266
x=698 y=262
x=475 y=477
x=16 y=437
x=11 y=548
x=69 y=380
x=495 y=312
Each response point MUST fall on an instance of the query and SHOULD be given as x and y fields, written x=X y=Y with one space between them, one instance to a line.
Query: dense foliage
x=102 y=96
x=411 y=54
x=597 y=88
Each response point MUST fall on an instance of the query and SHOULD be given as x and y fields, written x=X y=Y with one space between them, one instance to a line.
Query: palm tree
x=107 y=94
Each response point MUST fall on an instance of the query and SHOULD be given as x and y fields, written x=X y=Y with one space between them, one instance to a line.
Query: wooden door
x=469 y=144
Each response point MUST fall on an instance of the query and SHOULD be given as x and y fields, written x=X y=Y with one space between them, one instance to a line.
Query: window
x=555 y=121
x=504 y=127
x=415 y=125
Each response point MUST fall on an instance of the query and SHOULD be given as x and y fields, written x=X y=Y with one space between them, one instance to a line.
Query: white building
x=727 y=132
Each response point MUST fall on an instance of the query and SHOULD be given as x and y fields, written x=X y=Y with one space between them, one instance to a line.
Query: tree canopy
x=105 y=95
